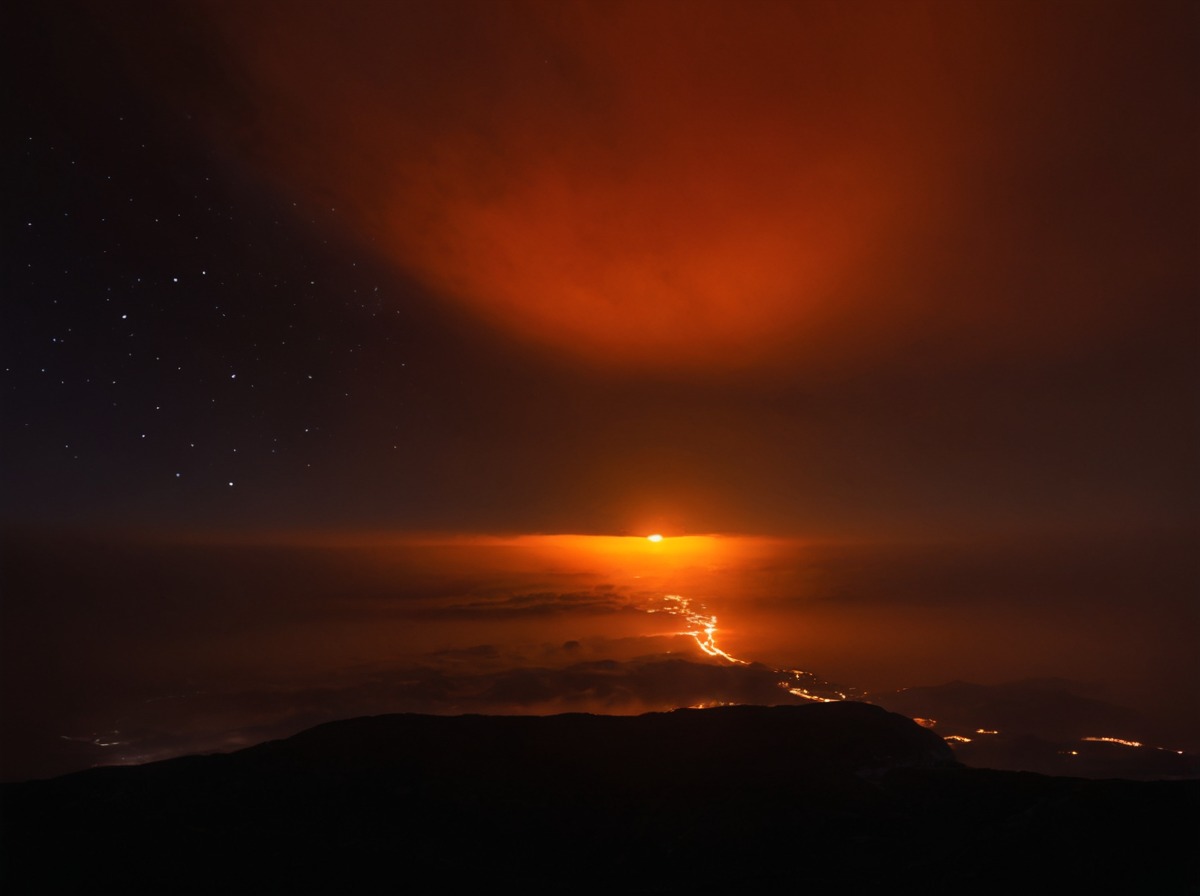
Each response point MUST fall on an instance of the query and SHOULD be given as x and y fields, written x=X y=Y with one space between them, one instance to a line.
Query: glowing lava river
x=702 y=627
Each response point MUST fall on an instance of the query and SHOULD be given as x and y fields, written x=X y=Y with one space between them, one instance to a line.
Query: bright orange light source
x=656 y=538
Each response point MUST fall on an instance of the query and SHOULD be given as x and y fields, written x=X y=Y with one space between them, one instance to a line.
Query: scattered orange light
x=926 y=723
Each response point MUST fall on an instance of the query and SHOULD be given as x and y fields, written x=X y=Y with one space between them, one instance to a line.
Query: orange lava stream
x=706 y=635
x=704 y=631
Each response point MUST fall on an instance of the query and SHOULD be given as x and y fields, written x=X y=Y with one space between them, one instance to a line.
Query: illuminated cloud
x=706 y=185
x=608 y=178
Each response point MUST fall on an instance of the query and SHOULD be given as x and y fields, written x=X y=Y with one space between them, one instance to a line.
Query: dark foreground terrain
x=822 y=798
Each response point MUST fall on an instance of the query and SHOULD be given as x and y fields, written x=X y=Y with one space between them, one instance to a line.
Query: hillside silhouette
x=839 y=796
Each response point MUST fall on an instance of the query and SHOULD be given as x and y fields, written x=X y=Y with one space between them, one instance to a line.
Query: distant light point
x=656 y=538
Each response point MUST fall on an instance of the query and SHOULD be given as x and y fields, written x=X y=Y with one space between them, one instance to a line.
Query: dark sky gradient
x=916 y=283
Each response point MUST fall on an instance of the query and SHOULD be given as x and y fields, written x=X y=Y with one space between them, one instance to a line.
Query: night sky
x=869 y=273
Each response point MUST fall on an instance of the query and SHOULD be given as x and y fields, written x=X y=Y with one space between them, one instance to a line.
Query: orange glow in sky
x=614 y=554
x=693 y=185
x=649 y=183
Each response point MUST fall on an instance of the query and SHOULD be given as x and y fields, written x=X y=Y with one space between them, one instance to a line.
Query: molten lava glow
x=617 y=553
x=704 y=627
x=1114 y=740
x=802 y=692
x=957 y=738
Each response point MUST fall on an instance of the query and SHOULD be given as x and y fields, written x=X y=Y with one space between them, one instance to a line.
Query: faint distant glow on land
x=985 y=731
x=1114 y=740
x=796 y=687
x=803 y=693
x=926 y=723
x=97 y=740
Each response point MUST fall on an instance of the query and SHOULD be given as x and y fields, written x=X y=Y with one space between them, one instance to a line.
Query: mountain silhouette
x=840 y=796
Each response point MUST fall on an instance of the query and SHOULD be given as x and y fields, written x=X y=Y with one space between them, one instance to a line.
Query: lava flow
x=705 y=632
